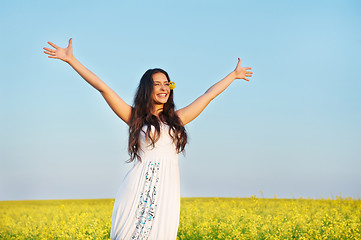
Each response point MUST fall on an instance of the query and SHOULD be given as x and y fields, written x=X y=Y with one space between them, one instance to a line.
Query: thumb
x=70 y=42
x=239 y=63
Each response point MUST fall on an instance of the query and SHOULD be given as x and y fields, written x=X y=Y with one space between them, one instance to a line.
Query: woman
x=147 y=204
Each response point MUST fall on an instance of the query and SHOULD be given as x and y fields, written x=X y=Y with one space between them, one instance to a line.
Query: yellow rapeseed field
x=201 y=218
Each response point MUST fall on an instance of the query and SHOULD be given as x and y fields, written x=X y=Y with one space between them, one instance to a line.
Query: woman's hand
x=65 y=54
x=241 y=72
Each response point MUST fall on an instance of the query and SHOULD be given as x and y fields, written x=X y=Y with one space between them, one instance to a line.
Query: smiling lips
x=163 y=95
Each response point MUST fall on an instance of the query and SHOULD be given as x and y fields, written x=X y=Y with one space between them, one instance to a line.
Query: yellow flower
x=171 y=85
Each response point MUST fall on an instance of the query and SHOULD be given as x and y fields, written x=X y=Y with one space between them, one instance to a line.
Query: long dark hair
x=142 y=116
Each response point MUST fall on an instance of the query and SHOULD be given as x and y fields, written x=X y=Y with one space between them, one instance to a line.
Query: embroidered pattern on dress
x=145 y=212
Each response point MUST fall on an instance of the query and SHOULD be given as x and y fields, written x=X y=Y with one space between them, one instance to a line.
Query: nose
x=162 y=87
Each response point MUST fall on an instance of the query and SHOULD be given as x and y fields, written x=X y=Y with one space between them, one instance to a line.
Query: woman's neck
x=157 y=109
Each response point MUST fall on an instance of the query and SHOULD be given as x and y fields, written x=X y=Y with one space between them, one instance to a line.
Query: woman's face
x=161 y=88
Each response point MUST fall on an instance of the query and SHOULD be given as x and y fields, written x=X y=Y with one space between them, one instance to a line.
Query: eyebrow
x=165 y=81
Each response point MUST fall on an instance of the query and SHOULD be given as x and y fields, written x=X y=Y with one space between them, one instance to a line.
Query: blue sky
x=292 y=131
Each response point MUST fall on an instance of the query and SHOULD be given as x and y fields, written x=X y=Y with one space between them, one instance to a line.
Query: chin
x=161 y=101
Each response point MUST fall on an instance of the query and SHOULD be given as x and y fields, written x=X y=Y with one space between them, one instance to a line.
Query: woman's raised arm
x=121 y=108
x=190 y=112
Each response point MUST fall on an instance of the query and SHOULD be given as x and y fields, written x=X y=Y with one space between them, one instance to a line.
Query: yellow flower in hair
x=171 y=85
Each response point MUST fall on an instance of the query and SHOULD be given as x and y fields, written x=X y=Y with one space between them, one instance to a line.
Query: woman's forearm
x=88 y=76
x=220 y=86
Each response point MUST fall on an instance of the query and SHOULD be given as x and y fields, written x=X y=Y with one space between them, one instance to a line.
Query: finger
x=52 y=57
x=49 y=50
x=248 y=75
x=70 y=41
x=52 y=44
x=246 y=79
x=50 y=53
x=239 y=63
x=248 y=68
x=247 y=72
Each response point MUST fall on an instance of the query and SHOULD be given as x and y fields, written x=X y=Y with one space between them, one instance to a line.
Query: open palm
x=64 y=54
x=241 y=72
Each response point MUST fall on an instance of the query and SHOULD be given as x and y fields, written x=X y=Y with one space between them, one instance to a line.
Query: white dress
x=147 y=204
